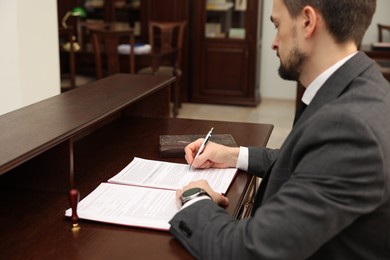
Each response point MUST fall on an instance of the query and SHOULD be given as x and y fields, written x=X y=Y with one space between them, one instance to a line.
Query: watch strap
x=195 y=200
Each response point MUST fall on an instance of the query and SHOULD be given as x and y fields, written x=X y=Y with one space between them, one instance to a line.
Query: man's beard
x=292 y=68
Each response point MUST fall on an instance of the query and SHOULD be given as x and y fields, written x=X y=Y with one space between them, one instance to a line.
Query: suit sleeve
x=260 y=158
x=336 y=158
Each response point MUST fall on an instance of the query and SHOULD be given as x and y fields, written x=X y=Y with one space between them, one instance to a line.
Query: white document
x=144 y=193
x=166 y=175
x=128 y=205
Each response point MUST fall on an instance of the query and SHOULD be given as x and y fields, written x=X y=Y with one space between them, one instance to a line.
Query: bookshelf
x=226 y=51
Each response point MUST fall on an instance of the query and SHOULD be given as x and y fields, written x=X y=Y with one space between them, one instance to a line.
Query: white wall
x=382 y=15
x=29 y=63
x=271 y=85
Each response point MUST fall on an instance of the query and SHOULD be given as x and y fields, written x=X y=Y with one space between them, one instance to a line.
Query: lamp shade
x=79 y=11
x=76 y=12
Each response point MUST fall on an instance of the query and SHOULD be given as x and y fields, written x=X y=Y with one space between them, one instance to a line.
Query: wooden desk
x=33 y=222
x=382 y=57
x=376 y=53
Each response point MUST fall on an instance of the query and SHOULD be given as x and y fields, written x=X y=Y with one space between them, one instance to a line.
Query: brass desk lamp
x=75 y=12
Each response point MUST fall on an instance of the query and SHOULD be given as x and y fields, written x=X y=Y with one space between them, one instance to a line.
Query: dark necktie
x=301 y=107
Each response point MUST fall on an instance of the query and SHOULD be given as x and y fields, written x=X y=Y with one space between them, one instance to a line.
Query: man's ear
x=310 y=20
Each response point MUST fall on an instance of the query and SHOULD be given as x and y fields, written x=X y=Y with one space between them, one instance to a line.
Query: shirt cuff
x=242 y=161
x=204 y=197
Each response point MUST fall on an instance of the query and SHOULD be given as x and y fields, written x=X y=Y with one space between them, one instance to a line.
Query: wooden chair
x=106 y=41
x=381 y=29
x=165 y=36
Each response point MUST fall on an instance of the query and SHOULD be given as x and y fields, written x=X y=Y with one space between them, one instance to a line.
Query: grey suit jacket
x=327 y=194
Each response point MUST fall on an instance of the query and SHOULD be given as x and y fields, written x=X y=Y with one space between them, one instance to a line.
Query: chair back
x=381 y=29
x=167 y=35
x=106 y=41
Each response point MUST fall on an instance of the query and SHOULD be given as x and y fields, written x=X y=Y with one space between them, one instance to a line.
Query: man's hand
x=203 y=184
x=213 y=156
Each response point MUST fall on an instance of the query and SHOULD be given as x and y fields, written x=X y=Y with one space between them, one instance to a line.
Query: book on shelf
x=173 y=145
x=143 y=194
x=218 y=6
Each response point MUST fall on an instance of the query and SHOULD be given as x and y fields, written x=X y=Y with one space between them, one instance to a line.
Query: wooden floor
x=280 y=113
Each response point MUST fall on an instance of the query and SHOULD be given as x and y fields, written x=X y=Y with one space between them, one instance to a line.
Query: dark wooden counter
x=33 y=195
x=31 y=130
x=33 y=222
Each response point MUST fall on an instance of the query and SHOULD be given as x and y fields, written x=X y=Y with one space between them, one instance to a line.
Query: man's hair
x=345 y=19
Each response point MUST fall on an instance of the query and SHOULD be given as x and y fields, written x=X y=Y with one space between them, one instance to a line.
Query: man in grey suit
x=325 y=193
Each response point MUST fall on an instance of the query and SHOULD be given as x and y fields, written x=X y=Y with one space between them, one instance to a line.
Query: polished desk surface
x=33 y=223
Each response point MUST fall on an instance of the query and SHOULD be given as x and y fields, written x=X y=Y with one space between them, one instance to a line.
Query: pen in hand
x=206 y=139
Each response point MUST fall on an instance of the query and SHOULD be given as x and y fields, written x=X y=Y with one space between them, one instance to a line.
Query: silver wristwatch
x=192 y=194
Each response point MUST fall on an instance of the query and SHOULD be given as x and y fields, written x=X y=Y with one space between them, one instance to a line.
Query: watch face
x=191 y=192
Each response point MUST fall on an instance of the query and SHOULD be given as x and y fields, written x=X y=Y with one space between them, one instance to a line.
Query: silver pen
x=206 y=139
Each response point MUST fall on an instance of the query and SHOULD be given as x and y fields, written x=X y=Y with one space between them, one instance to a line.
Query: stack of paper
x=144 y=193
